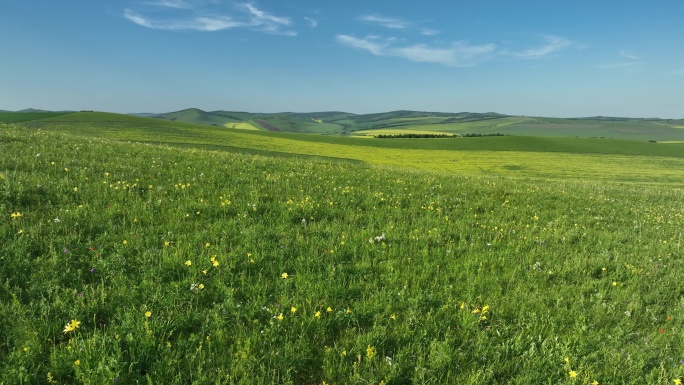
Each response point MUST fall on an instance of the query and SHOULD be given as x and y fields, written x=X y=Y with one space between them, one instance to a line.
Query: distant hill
x=408 y=123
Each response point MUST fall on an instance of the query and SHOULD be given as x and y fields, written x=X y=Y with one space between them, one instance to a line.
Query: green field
x=210 y=255
x=518 y=157
x=15 y=117
x=416 y=122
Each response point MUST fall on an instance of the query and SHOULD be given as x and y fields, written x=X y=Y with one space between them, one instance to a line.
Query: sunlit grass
x=130 y=263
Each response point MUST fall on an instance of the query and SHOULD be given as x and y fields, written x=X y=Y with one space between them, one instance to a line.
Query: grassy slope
x=570 y=277
x=573 y=158
x=15 y=117
x=450 y=123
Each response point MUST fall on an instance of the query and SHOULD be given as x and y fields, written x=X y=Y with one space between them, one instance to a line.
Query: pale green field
x=241 y=126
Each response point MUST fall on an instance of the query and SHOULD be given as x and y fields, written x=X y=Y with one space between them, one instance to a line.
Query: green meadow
x=139 y=250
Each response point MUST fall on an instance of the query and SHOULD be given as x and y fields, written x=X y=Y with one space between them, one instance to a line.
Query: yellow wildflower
x=318 y=314
x=393 y=317
x=16 y=215
x=77 y=362
x=293 y=309
x=370 y=352
x=329 y=309
x=148 y=314
x=71 y=326
x=677 y=381
x=283 y=276
x=188 y=262
x=572 y=374
x=280 y=317
x=201 y=286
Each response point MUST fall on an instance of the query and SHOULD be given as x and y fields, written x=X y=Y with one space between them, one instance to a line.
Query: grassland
x=518 y=157
x=416 y=122
x=130 y=263
x=15 y=117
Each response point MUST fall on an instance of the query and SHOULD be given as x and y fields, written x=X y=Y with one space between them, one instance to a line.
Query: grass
x=184 y=266
x=15 y=117
x=517 y=157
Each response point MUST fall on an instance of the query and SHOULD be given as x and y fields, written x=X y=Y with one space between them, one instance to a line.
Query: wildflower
x=567 y=360
x=370 y=352
x=50 y=379
x=293 y=309
x=677 y=381
x=206 y=244
x=125 y=242
x=614 y=283
x=348 y=311
x=75 y=189
x=200 y=286
x=329 y=309
x=21 y=231
x=167 y=243
x=77 y=362
x=393 y=317
x=317 y=314
x=215 y=263
x=595 y=382
x=16 y=215
x=188 y=263
x=71 y=326
x=280 y=317
x=205 y=272
x=148 y=314
x=572 y=374
x=283 y=276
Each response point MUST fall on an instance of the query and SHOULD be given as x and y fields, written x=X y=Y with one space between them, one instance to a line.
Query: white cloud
x=553 y=44
x=388 y=22
x=458 y=54
x=181 y=4
x=396 y=23
x=312 y=22
x=249 y=17
x=213 y=23
x=629 y=55
x=632 y=61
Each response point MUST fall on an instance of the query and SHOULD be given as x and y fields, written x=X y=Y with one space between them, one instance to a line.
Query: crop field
x=241 y=126
x=123 y=262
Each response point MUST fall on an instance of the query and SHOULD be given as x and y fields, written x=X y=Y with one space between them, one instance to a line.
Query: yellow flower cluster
x=71 y=326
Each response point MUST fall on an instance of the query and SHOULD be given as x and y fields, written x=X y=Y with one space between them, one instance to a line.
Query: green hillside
x=133 y=263
x=465 y=123
x=510 y=156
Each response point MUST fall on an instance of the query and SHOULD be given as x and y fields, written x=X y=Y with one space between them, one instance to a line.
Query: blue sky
x=541 y=58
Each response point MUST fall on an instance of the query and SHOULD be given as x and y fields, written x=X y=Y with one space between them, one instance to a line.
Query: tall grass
x=130 y=263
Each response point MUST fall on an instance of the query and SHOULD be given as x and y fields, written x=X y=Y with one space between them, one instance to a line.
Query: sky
x=539 y=58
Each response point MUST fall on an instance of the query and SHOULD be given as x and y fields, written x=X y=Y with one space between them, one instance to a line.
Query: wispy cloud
x=629 y=55
x=312 y=22
x=458 y=54
x=608 y=66
x=553 y=44
x=396 y=23
x=388 y=22
x=180 y=4
x=207 y=23
x=628 y=60
x=247 y=16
